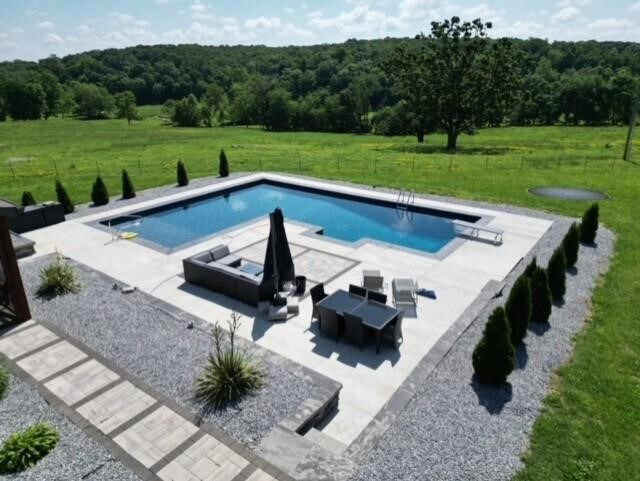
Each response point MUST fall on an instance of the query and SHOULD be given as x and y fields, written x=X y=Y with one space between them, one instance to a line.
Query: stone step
x=325 y=441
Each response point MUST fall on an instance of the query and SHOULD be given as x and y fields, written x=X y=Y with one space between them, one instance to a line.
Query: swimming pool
x=343 y=217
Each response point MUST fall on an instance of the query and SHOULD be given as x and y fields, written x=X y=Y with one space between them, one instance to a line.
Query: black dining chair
x=377 y=296
x=357 y=291
x=393 y=332
x=329 y=322
x=317 y=294
x=353 y=330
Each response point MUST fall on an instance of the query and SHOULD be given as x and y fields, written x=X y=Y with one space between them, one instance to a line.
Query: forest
x=347 y=87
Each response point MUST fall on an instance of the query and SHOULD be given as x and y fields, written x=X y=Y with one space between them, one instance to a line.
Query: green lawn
x=591 y=425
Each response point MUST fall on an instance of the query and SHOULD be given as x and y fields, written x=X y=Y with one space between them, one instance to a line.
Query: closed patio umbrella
x=278 y=263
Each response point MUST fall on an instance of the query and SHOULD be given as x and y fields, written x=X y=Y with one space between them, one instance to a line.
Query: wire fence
x=18 y=175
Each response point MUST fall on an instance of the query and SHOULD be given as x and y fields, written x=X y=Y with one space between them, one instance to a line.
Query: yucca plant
x=28 y=199
x=24 y=449
x=230 y=374
x=5 y=378
x=58 y=278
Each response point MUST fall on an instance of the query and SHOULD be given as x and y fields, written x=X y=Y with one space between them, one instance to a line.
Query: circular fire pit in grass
x=568 y=193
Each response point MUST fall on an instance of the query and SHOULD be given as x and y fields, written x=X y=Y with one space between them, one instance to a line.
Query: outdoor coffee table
x=251 y=268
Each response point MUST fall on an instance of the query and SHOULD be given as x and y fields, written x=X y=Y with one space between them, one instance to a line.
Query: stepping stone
x=207 y=460
x=80 y=382
x=25 y=340
x=155 y=436
x=51 y=360
x=260 y=475
x=115 y=407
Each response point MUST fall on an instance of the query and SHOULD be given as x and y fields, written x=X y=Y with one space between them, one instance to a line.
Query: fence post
x=11 y=167
x=585 y=164
x=450 y=162
x=55 y=167
x=139 y=167
x=413 y=164
x=375 y=165
x=486 y=163
x=97 y=167
x=521 y=162
x=299 y=164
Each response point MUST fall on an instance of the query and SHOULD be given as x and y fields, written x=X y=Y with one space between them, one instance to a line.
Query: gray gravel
x=75 y=457
x=456 y=429
x=152 y=344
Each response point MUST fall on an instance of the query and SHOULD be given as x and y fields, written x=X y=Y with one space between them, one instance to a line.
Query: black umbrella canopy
x=278 y=262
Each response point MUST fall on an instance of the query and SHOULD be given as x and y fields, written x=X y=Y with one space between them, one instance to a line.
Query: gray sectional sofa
x=218 y=270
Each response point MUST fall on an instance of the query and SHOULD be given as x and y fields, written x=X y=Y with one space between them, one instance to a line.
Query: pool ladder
x=406 y=198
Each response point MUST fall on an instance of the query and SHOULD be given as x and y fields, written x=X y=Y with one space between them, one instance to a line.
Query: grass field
x=590 y=428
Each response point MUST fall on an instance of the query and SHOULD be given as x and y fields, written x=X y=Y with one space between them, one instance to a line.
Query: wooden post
x=12 y=282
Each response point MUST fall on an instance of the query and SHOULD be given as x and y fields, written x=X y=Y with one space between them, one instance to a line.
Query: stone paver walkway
x=137 y=424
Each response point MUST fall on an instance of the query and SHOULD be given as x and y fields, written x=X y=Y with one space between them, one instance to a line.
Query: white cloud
x=36 y=13
x=361 y=21
x=315 y=14
x=565 y=14
x=46 y=25
x=262 y=23
x=17 y=30
x=200 y=11
x=126 y=19
x=288 y=10
x=53 y=39
x=483 y=11
x=84 y=29
x=635 y=7
x=418 y=9
x=291 y=30
x=612 y=24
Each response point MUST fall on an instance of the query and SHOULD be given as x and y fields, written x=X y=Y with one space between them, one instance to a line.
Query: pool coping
x=313 y=231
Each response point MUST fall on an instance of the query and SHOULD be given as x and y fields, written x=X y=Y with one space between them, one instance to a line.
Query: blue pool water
x=346 y=219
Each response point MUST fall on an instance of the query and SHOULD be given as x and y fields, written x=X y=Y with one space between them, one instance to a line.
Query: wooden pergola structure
x=13 y=301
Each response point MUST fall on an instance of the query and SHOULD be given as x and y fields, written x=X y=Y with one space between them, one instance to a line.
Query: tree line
x=355 y=86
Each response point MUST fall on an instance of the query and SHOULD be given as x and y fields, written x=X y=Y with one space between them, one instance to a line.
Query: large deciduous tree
x=457 y=79
x=126 y=106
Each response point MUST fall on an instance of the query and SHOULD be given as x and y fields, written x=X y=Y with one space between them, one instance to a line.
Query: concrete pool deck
x=368 y=380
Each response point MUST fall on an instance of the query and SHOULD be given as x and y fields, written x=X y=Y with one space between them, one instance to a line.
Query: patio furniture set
x=363 y=309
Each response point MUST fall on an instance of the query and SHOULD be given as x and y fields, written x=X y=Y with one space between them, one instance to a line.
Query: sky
x=35 y=29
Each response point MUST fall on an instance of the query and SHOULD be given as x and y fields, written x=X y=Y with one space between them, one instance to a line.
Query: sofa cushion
x=230 y=260
x=204 y=257
x=219 y=252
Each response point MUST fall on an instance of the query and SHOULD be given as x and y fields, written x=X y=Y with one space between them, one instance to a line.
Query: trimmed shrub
x=28 y=199
x=530 y=269
x=494 y=357
x=58 y=279
x=183 y=178
x=5 y=378
x=128 y=191
x=63 y=198
x=556 y=272
x=589 y=226
x=99 y=193
x=540 y=296
x=571 y=245
x=224 y=164
x=229 y=374
x=24 y=449
x=518 y=309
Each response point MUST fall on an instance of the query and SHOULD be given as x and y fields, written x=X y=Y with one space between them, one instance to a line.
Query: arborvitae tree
x=63 y=198
x=556 y=272
x=224 y=164
x=183 y=178
x=27 y=198
x=530 y=269
x=589 y=225
x=571 y=245
x=494 y=357
x=99 y=193
x=128 y=191
x=518 y=309
x=540 y=296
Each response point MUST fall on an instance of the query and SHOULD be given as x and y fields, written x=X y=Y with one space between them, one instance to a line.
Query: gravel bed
x=455 y=428
x=76 y=456
x=152 y=344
